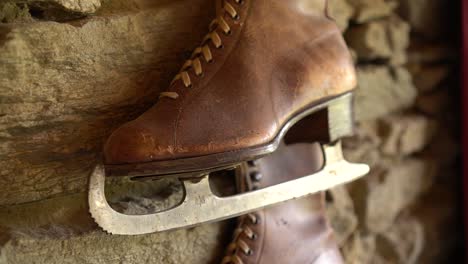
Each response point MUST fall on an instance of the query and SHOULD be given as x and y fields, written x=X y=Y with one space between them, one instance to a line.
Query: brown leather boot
x=264 y=66
x=294 y=232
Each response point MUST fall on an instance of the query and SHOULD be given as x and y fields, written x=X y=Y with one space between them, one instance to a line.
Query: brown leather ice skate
x=268 y=70
x=294 y=232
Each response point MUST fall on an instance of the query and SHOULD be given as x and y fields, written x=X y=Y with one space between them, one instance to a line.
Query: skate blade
x=200 y=205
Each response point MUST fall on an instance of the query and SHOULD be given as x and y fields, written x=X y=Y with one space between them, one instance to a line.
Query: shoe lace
x=204 y=50
x=239 y=245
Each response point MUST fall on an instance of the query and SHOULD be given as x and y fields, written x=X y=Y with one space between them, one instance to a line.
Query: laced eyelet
x=240 y=2
x=253 y=237
x=236 y=17
x=228 y=33
x=220 y=47
x=249 y=252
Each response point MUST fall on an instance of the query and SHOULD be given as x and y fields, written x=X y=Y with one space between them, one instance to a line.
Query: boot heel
x=326 y=123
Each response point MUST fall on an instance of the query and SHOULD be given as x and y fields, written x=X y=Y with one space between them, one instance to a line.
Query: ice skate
x=269 y=71
x=296 y=231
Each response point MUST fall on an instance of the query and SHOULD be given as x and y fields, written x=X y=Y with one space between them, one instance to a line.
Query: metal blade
x=200 y=205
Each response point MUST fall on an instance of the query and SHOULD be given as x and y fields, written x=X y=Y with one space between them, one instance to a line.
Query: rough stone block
x=383 y=90
x=197 y=245
x=340 y=212
x=380 y=40
x=341 y=11
x=360 y=249
x=39 y=230
x=364 y=145
x=401 y=183
x=369 y=41
x=406 y=134
x=403 y=242
x=64 y=87
x=55 y=10
x=80 y=6
x=367 y=10
x=11 y=12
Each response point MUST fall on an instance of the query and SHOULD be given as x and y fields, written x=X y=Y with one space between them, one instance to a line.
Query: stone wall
x=406 y=210
x=71 y=71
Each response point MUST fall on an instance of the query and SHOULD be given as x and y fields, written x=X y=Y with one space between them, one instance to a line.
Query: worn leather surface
x=280 y=58
x=294 y=232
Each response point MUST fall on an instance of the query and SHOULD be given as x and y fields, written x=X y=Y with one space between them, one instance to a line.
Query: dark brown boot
x=294 y=232
x=264 y=66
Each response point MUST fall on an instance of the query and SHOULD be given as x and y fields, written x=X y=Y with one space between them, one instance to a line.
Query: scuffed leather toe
x=130 y=144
